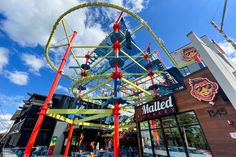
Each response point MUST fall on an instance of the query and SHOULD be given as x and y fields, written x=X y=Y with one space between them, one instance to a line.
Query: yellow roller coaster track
x=105 y=5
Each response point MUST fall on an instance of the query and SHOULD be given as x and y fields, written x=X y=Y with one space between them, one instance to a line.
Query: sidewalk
x=8 y=153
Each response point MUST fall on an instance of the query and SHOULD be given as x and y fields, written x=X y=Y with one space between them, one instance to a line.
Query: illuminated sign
x=158 y=108
x=203 y=89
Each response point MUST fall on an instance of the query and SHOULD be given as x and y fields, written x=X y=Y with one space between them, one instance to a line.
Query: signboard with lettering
x=217 y=112
x=155 y=109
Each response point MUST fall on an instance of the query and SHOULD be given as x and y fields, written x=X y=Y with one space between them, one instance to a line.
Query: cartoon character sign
x=203 y=89
x=189 y=53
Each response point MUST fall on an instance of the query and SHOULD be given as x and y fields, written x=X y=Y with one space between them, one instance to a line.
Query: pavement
x=8 y=153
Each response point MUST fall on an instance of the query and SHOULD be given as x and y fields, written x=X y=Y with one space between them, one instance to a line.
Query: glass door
x=193 y=135
x=177 y=135
x=158 y=138
x=146 y=143
x=146 y=139
x=175 y=143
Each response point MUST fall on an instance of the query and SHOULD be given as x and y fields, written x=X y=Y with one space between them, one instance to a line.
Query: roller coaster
x=116 y=74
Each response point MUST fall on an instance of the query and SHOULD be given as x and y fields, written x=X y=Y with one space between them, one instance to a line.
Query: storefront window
x=169 y=121
x=176 y=136
x=158 y=143
x=187 y=118
x=144 y=125
x=146 y=143
x=184 y=71
x=155 y=123
x=175 y=143
x=195 y=141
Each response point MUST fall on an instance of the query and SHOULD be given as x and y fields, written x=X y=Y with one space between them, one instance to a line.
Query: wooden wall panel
x=216 y=129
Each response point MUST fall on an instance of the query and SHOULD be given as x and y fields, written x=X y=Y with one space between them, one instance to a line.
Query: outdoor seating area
x=17 y=151
x=8 y=152
x=105 y=153
x=41 y=151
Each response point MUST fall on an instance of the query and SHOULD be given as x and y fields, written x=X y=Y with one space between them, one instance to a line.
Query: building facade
x=197 y=121
x=25 y=120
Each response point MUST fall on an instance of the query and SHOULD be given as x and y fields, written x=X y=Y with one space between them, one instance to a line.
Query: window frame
x=178 y=126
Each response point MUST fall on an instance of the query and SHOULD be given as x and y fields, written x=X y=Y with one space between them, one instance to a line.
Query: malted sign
x=156 y=108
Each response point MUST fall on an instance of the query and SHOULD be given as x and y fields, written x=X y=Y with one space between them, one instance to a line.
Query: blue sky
x=25 y=26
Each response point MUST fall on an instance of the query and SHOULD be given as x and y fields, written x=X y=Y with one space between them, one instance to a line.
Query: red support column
x=146 y=56
x=116 y=128
x=116 y=75
x=116 y=109
x=68 y=140
x=46 y=104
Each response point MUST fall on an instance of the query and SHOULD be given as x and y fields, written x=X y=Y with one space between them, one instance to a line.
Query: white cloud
x=137 y=5
x=29 y=23
x=234 y=60
x=3 y=57
x=5 y=122
x=229 y=50
x=10 y=103
x=33 y=62
x=63 y=89
x=17 y=77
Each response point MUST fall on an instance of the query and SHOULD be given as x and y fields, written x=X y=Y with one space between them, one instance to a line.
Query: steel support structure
x=83 y=74
x=69 y=140
x=147 y=57
x=224 y=35
x=116 y=75
x=116 y=115
x=47 y=101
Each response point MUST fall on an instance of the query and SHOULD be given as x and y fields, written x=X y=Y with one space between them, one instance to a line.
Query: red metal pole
x=46 y=104
x=118 y=20
x=159 y=57
x=116 y=114
x=116 y=110
x=68 y=140
x=116 y=128
x=146 y=56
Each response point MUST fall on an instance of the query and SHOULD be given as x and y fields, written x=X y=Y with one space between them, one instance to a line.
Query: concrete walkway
x=8 y=153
